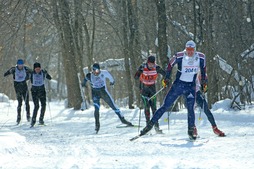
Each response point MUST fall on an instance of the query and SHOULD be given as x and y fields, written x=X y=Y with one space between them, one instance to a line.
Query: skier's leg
x=43 y=106
x=96 y=103
x=19 y=98
x=36 y=106
x=26 y=99
x=190 y=101
x=146 y=109
x=171 y=96
x=152 y=103
x=108 y=99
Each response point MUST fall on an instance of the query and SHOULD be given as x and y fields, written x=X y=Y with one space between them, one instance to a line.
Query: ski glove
x=204 y=86
x=165 y=82
x=112 y=83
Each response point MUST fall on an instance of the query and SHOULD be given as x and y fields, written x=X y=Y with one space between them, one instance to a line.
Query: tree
x=70 y=57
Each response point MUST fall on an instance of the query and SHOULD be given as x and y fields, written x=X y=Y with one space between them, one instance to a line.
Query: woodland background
x=67 y=35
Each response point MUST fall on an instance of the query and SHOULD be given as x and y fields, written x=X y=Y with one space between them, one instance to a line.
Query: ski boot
x=148 y=127
x=28 y=118
x=218 y=132
x=32 y=123
x=18 y=119
x=125 y=121
x=192 y=132
x=41 y=122
x=157 y=128
x=97 y=127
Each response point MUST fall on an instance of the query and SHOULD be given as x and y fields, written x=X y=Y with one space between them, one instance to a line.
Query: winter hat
x=36 y=64
x=190 y=44
x=20 y=62
x=96 y=66
x=151 y=59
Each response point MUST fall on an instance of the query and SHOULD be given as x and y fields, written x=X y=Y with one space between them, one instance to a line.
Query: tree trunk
x=62 y=21
x=162 y=33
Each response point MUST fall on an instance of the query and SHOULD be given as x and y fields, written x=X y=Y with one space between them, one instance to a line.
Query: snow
x=69 y=140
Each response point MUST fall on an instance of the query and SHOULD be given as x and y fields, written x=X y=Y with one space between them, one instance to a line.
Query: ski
x=135 y=138
x=125 y=126
x=37 y=125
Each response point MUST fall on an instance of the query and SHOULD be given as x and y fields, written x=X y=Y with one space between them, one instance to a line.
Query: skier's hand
x=165 y=82
x=112 y=83
x=204 y=86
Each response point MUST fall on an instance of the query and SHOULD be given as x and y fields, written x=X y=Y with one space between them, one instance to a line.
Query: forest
x=68 y=36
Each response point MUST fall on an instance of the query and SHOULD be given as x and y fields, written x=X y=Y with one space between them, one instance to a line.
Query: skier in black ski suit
x=147 y=73
x=97 y=80
x=38 y=92
x=21 y=74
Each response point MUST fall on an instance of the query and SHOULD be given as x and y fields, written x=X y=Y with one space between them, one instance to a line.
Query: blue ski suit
x=184 y=84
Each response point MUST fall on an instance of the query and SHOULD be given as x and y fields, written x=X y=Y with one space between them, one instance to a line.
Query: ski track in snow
x=69 y=141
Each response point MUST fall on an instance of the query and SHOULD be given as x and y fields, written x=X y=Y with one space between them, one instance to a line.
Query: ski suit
x=99 y=91
x=20 y=77
x=147 y=77
x=184 y=83
x=39 y=94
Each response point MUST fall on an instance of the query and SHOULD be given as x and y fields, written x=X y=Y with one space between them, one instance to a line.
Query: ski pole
x=156 y=93
x=170 y=112
x=203 y=98
x=139 y=118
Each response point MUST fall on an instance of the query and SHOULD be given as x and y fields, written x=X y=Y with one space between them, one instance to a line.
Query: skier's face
x=190 y=51
x=37 y=70
x=150 y=65
x=20 y=66
x=96 y=72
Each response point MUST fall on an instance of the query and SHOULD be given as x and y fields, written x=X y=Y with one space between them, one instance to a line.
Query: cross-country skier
x=38 y=92
x=97 y=80
x=201 y=102
x=147 y=73
x=21 y=74
x=189 y=62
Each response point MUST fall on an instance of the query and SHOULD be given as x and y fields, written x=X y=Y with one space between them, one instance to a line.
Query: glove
x=112 y=83
x=165 y=82
x=204 y=86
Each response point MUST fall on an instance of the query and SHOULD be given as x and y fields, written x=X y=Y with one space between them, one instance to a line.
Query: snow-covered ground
x=69 y=140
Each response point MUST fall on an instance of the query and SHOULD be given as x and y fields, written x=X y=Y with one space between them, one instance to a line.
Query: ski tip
x=135 y=138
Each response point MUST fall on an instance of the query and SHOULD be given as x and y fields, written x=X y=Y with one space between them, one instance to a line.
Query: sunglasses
x=190 y=49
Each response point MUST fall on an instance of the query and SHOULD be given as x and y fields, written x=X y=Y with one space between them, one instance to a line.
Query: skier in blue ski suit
x=189 y=62
x=97 y=80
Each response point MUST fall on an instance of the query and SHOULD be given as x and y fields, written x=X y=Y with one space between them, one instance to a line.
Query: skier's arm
x=139 y=72
x=160 y=70
x=203 y=72
x=170 y=66
x=47 y=75
x=110 y=77
x=28 y=72
x=202 y=66
x=87 y=77
x=10 y=71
